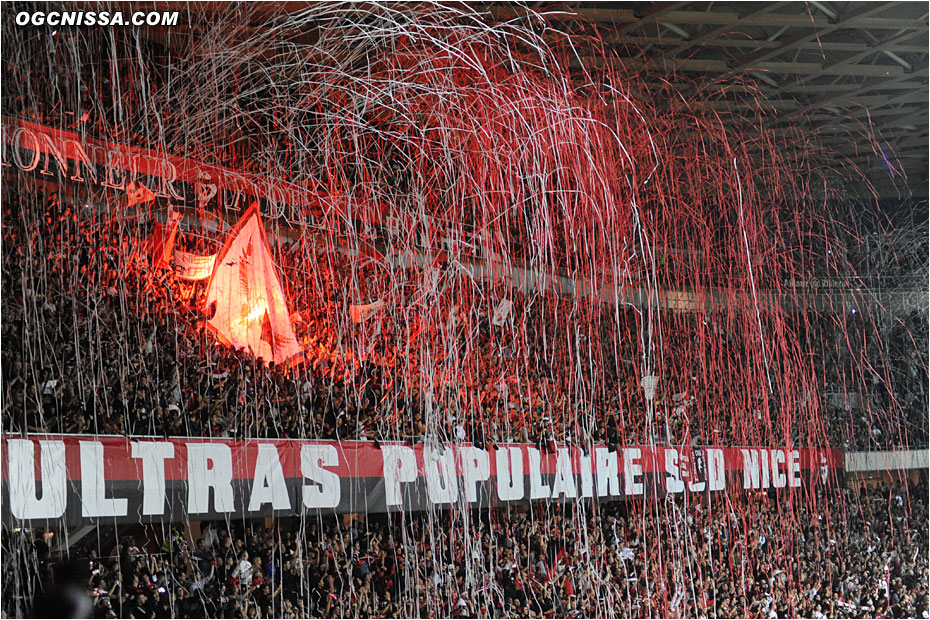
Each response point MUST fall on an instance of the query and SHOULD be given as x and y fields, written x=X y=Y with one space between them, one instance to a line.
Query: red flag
x=160 y=245
x=267 y=330
x=138 y=194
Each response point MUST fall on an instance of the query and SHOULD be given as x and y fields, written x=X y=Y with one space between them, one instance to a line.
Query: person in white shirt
x=244 y=570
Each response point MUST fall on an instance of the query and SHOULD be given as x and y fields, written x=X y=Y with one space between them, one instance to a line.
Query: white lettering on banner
x=324 y=492
x=564 y=482
x=442 y=475
x=716 y=471
x=209 y=466
x=778 y=476
x=115 y=177
x=750 y=469
x=764 y=467
x=673 y=482
x=53 y=153
x=759 y=467
x=168 y=174
x=32 y=146
x=399 y=465
x=94 y=502
x=794 y=468
x=632 y=469
x=441 y=484
x=587 y=479
x=537 y=488
x=153 y=455
x=82 y=162
x=476 y=467
x=22 y=479
x=18 y=136
x=269 y=486
x=510 y=484
x=608 y=472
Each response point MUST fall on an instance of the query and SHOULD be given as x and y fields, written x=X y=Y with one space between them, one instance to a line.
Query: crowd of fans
x=862 y=554
x=886 y=406
x=97 y=341
x=102 y=343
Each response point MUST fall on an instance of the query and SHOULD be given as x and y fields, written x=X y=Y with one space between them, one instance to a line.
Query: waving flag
x=362 y=313
x=501 y=312
x=160 y=244
x=138 y=194
x=251 y=312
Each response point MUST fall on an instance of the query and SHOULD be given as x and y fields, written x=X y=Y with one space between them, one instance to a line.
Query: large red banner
x=65 y=155
x=86 y=479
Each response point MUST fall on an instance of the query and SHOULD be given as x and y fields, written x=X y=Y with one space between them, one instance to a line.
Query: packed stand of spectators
x=889 y=405
x=861 y=555
x=889 y=256
x=170 y=379
x=72 y=304
x=98 y=342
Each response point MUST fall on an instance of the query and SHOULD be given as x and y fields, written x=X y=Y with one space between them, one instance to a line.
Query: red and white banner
x=189 y=266
x=89 y=479
x=50 y=152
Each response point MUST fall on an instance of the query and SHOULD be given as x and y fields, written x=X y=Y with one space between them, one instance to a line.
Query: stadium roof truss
x=835 y=67
x=830 y=65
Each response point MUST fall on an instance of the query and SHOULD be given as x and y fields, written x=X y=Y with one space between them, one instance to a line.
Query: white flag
x=251 y=312
x=501 y=312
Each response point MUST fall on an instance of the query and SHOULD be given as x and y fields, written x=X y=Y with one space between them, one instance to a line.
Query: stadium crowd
x=71 y=305
x=758 y=557
x=100 y=343
x=97 y=342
